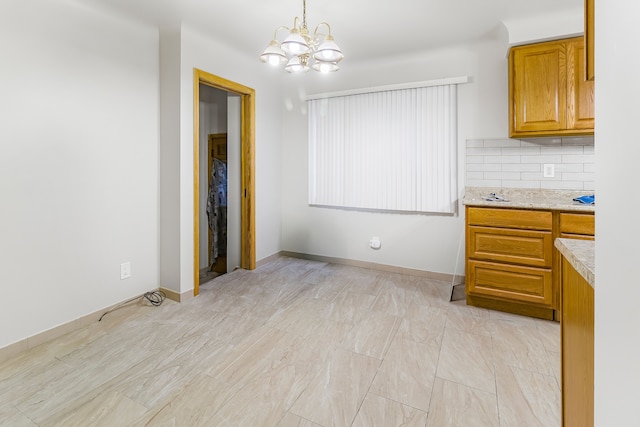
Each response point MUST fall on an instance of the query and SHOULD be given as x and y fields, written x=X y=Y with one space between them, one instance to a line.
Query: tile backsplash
x=514 y=163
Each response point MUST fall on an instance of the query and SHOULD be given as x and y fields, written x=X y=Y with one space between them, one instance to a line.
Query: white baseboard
x=375 y=266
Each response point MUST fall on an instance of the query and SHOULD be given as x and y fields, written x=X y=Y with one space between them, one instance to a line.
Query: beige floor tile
x=462 y=307
x=423 y=324
x=10 y=416
x=20 y=368
x=328 y=283
x=244 y=362
x=291 y=420
x=159 y=377
x=467 y=322
x=229 y=328
x=527 y=398
x=363 y=280
x=334 y=396
x=467 y=359
x=321 y=275
x=326 y=337
x=519 y=345
x=455 y=405
x=407 y=373
x=396 y=293
x=106 y=409
x=372 y=335
x=349 y=307
x=265 y=399
x=513 y=318
x=34 y=383
x=549 y=334
x=301 y=317
x=287 y=294
x=433 y=293
x=377 y=411
x=555 y=360
x=194 y=405
x=233 y=305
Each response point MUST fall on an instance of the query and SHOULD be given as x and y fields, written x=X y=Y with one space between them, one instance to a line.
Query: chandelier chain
x=304 y=13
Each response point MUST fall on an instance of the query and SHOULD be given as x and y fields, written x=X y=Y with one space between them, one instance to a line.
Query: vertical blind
x=390 y=150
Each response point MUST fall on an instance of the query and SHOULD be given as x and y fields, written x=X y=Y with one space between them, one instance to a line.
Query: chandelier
x=302 y=50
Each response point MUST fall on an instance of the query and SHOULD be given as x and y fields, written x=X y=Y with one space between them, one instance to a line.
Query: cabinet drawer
x=510 y=218
x=509 y=282
x=528 y=247
x=571 y=223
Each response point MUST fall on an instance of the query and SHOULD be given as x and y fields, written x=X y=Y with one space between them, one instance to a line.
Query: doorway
x=245 y=192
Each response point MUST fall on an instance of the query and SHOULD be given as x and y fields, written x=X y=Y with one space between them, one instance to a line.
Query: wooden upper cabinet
x=538 y=87
x=589 y=37
x=580 y=92
x=548 y=92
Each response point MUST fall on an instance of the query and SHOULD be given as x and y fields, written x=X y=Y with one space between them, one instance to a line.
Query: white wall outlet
x=374 y=243
x=549 y=170
x=125 y=270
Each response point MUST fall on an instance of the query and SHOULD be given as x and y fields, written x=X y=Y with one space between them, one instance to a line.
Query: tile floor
x=294 y=343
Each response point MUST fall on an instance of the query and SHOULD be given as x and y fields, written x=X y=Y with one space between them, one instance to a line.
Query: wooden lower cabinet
x=510 y=260
x=511 y=264
x=577 y=347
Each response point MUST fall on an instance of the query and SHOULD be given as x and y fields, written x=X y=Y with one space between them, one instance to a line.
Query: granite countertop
x=581 y=255
x=526 y=198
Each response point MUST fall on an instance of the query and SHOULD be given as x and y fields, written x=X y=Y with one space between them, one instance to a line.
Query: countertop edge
x=520 y=198
x=581 y=255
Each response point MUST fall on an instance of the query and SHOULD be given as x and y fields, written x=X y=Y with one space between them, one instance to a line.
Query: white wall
x=169 y=167
x=552 y=25
x=617 y=293
x=222 y=60
x=78 y=163
x=423 y=242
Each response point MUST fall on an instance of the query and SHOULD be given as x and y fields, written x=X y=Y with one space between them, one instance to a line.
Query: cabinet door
x=589 y=38
x=538 y=87
x=580 y=91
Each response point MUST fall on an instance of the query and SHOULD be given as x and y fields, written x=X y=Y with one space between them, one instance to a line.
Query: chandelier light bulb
x=295 y=44
x=273 y=54
x=328 y=51
x=325 y=67
x=296 y=66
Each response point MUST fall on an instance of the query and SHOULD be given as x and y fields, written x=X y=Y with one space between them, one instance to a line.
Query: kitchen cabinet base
x=511 y=307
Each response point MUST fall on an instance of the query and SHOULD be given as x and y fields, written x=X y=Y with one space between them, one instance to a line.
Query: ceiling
x=364 y=29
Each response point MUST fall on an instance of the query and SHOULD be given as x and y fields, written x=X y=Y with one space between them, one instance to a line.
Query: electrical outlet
x=125 y=270
x=549 y=171
x=374 y=243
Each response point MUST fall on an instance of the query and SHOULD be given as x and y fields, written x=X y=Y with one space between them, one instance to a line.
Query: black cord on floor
x=154 y=297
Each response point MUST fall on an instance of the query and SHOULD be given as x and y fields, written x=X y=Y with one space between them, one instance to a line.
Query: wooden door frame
x=247 y=166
